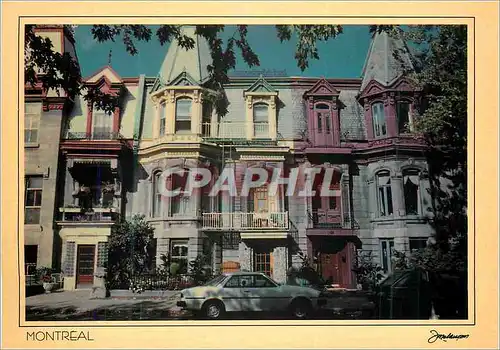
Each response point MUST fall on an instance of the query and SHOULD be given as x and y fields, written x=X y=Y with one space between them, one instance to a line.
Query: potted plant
x=44 y=275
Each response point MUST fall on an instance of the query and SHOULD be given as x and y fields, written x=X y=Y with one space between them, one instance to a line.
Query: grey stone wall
x=42 y=159
x=280 y=267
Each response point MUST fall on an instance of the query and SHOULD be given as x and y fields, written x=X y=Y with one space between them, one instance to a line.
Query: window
x=260 y=120
x=156 y=195
x=30 y=259
x=384 y=193
x=417 y=243
x=179 y=204
x=32 y=112
x=206 y=118
x=387 y=250
x=403 y=116
x=262 y=282
x=102 y=125
x=183 y=115
x=411 y=191
x=231 y=241
x=163 y=119
x=179 y=254
x=33 y=199
x=379 y=127
x=263 y=262
x=332 y=203
x=323 y=118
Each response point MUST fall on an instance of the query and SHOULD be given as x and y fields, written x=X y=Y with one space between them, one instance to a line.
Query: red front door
x=85 y=266
x=336 y=267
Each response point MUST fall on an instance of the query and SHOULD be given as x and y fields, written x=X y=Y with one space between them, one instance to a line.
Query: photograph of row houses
x=86 y=169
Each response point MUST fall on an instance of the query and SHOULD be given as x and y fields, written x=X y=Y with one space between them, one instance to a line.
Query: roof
x=192 y=61
x=381 y=63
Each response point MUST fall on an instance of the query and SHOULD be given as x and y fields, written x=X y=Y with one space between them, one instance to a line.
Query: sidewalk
x=77 y=305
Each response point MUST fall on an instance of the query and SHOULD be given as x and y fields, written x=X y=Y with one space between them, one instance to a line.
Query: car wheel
x=301 y=308
x=213 y=310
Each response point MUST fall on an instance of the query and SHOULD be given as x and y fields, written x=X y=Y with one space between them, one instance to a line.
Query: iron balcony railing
x=235 y=130
x=98 y=136
x=245 y=221
x=329 y=218
x=87 y=216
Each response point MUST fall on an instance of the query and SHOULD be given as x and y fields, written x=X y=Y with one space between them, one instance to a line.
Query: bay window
x=378 y=117
x=384 y=193
x=411 y=191
x=183 y=115
x=260 y=120
x=102 y=124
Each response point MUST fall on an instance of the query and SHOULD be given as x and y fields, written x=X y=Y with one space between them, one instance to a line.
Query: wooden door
x=323 y=125
x=336 y=267
x=85 y=265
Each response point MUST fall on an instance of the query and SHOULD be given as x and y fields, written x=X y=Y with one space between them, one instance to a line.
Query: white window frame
x=184 y=118
x=35 y=189
x=383 y=203
x=105 y=123
x=419 y=196
x=260 y=123
x=156 y=203
x=163 y=118
x=32 y=117
x=378 y=120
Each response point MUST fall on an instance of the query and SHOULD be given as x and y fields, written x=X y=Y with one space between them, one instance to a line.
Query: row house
x=354 y=134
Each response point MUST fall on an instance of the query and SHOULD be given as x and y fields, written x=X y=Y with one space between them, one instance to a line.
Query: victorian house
x=359 y=130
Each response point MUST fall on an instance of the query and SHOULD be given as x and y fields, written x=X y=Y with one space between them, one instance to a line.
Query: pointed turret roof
x=381 y=64
x=192 y=61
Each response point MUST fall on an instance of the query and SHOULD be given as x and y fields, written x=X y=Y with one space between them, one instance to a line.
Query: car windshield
x=215 y=281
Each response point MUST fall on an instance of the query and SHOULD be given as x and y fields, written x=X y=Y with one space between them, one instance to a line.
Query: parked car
x=411 y=294
x=250 y=291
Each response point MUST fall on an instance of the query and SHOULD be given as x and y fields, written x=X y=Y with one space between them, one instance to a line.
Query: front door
x=335 y=267
x=85 y=266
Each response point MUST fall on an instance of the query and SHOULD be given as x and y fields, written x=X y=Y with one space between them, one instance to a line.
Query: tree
x=61 y=73
x=131 y=250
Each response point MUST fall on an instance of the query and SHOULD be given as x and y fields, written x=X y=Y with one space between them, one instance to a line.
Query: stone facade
x=168 y=122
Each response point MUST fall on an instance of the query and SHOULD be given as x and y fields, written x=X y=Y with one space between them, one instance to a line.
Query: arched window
x=378 y=116
x=323 y=118
x=163 y=119
x=183 y=115
x=411 y=190
x=156 y=194
x=403 y=116
x=261 y=120
x=384 y=193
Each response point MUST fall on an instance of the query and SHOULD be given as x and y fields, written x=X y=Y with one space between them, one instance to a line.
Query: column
x=246 y=261
x=336 y=123
x=390 y=115
x=372 y=190
x=272 y=118
x=249 y=118
x=280 y=265
x=368 y=119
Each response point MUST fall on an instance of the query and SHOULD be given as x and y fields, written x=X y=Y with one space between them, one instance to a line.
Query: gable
x=108 y=73
x=322 y=88
x=183 y=79
x=261 y=85
x=373 y=87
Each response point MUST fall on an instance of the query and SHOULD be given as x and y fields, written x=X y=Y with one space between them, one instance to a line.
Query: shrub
x=368 y=273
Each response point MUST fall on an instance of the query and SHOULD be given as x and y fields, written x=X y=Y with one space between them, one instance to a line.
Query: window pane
x=327 y=123
x=34 y=182
x=260 y=113
x=378 y=118
x=320 y=123
x=417 y=243
x=322 y=106
x=234 y=282
x=32 y=216
x=183 y=110
x=410 y=187
x=402 y=112
x=333 y=203
x=389 y=201
x=382 y=201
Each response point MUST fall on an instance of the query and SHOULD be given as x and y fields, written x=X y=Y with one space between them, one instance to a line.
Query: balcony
x=328 y=219
x=98 y=136
x=236 y=130
x=245 y=221
x=95 y=215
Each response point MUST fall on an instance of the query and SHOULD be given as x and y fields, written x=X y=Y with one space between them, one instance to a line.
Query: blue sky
x=342 y=57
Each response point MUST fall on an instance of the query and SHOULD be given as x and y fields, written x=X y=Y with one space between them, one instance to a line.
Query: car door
x=265 y=295
x=233 y=296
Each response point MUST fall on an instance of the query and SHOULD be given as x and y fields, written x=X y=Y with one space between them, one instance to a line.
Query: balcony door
x=326 y=210
x=85 y=266
x=323 y=125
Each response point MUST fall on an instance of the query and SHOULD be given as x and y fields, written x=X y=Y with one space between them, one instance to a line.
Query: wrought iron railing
x=245 y=221
x=93 y=215
x=328 y=218
x=93 y=136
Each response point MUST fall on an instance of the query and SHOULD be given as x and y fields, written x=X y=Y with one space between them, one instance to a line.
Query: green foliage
x=223 y=55
x=368 y=273
x=199 y=270
x=174 y=269
x=130 y=250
